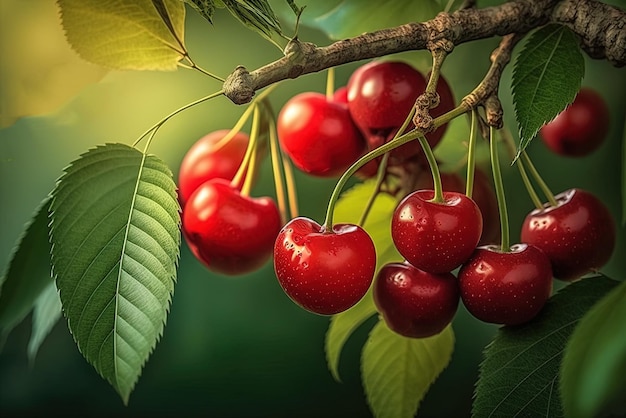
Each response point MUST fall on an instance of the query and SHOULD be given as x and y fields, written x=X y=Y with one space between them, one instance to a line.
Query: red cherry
x=507 y=288
x=581 y=128
x=324 y=272
x=415 y=303
x=319 y=135
x=436 y=237
x=204 y=162
x=341 y=95
x=578 y=235
x=230 y=233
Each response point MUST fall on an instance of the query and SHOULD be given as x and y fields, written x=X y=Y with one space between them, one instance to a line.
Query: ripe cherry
x=319 y=135
x=436 y=237
x=415 y=303
x=507 y=288
x=577 y=235
x=581 y=128
x=324 y=272
x=203 y=161
x=230 y=233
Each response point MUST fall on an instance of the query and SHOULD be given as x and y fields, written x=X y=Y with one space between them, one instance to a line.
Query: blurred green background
x=237 y=347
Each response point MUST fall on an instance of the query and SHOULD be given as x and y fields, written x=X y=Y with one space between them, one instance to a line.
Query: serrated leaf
x=398 y=371
x=347 y=18
x=255 y=14
x=520 y=371
x=46 y=314
x=137 y=35
x=28 y=272
x=593 y=371
x=206 y=8
x=377 y=225
x=116 y=239
x=546 y=77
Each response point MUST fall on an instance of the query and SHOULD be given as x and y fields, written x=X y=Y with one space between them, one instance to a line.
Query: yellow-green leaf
x=44 y=72
x=127 y=35
x=398 y=371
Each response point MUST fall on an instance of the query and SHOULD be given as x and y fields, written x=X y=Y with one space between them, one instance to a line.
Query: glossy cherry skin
x=319 y=135
x=414 y=303
x=203 y=161
x=324 y=272
x=230 y=233
x=578 y=235
x=436 y=237
x=507 y=288
x=581 y=128
x=483 y=194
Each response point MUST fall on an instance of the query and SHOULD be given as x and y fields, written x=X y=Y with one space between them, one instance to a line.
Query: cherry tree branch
x=601 y=28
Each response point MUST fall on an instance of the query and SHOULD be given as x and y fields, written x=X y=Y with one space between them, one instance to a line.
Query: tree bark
x=600 y=27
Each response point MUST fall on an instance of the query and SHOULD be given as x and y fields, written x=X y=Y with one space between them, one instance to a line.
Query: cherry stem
x=252 y=162
x=330 y=83
x=434 y=169
x=243 y=170
x=174 y=113
x=471 y=155
x=542 y=184
x=380 y=178
x=278 y=175
x=242 y=120
x=499 y=186
x=292 y=194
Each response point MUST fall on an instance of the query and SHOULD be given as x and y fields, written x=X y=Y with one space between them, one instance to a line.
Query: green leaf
x=593 y=371
x=116 y=241
x=546 y=77
x=520 y=371
x=206 y=8
x=46 y=314
x=137 y=35
x=398 y=371
x=255 y=14
x=28 y=273
x=377 y=225
x=347 y=18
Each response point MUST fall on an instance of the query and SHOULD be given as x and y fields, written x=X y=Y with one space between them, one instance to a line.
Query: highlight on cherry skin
x=318 y=134
x=230 y=233
x=324 y=272
x=414 y=303
x=506 y=287
x=204 y=161
x=436 y=237
x=578 y=235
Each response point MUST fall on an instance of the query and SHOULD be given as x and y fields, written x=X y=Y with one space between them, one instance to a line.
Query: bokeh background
x=234 y=346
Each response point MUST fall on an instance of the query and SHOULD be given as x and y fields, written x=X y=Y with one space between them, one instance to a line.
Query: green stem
x=330 y=83
x=434 y=169
x=243 y=170
x=251 y=166
x=278 y=176
x=529 y=187
x=542 y=184
x=174 y=113
x=471 y=155
x=380 y=177
x=499 y=186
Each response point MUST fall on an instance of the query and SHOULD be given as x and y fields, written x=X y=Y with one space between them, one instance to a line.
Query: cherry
x=204 y=162
x=230 y=233
x=581 y=128
x=319 y=135
x=434 y=236
x=415 y=303
x=324 y=272
x=577 y=235
x=507 y=288
x=483 y=194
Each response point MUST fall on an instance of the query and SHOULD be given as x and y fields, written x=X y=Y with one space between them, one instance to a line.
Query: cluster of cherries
x=447 y=240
